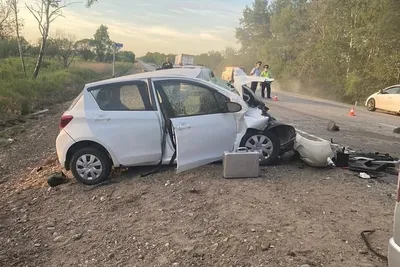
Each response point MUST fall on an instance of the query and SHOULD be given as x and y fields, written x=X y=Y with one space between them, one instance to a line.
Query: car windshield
x=225 y=85
x=208 y=75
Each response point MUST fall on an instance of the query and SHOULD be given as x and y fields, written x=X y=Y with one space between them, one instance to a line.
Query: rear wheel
x=90 y=166
x=266 y=143
x=371 y=105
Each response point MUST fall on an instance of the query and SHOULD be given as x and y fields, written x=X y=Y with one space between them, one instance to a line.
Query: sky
x=167 y=26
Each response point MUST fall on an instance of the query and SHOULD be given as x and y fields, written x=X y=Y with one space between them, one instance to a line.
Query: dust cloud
x=298 y=87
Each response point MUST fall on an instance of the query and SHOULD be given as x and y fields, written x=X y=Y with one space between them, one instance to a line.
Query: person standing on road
x=266 y=74
x=255 y=72
x=167 y=65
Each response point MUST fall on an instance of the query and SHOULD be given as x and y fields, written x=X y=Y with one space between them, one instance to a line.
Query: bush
x=21 y=95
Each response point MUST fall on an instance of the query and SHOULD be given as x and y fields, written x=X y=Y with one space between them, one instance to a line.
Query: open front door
x=203 y=129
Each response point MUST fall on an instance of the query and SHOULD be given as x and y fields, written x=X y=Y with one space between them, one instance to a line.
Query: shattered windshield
x=225 y=85
x=208 y=75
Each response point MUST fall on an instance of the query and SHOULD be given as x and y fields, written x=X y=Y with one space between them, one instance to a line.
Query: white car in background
x=387 y=99
x=149 y=118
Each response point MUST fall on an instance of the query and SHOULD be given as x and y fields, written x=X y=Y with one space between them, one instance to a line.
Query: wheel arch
x=86 y=143
x=285 y=133
x=272 y=136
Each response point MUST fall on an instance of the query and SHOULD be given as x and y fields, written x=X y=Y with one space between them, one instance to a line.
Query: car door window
x=190 y=98
x=392 y=91
x=133 y=96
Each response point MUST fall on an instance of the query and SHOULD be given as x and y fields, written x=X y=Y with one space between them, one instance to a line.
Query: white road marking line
x=313 y=136
x=388 y=125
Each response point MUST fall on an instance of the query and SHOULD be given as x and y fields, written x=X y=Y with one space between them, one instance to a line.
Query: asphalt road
x=369 y=131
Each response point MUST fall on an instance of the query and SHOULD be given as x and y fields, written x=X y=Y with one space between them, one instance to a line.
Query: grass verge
x=20 y=95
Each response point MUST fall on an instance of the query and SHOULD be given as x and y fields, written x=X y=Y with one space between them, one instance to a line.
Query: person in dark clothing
x=167 y=64
x=255 y=72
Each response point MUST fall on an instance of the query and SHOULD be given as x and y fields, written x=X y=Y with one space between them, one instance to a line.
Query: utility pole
x=115 y=47
x=113 y=73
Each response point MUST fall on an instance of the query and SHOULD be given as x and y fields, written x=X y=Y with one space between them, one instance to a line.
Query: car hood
x=374 y=94
x=241 y=80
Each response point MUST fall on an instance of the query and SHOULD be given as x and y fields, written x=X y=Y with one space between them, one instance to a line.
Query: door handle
x=183 y=126
x=102 y=118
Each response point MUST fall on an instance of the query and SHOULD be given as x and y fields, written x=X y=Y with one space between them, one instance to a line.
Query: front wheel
x=90 y=166
x=371 y=105
x=266 y=143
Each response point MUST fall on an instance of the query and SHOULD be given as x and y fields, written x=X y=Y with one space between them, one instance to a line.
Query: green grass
x=20 y=95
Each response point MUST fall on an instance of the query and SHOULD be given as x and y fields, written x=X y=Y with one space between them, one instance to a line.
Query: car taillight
x=65 y=119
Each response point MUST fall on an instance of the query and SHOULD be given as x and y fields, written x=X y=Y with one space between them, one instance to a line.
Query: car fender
x=254 y=120
x=371 y=96
x=114 y=158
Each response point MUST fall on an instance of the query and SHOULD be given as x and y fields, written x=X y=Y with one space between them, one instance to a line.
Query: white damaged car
x=165 y=117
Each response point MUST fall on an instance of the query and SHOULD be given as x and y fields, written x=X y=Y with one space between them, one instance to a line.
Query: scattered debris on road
x=40 y=112
x=333 y=127
x=57 y=179
x=314 y=153
x=397 y=130
x=364 y=175
x=379 y=255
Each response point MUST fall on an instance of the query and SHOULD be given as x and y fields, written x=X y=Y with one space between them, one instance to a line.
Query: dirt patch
x=33 y=141
x=284 y=218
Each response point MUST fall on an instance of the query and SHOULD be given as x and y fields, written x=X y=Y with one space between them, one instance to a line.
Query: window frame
x=385 y=91
x=152 y=104
x=213 y=91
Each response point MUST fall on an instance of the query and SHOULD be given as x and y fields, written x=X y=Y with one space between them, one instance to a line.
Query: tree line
x=340 y=49
x=157 y=58
x=60 y=46
x=348 y=49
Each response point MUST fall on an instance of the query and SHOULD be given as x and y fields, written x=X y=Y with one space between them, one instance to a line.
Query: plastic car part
x=314 y=153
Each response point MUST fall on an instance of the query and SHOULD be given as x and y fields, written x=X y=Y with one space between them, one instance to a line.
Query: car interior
x=110 y=98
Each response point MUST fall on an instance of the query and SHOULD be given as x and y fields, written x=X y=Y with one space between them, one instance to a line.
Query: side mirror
x=233 y=107
x=381 y=91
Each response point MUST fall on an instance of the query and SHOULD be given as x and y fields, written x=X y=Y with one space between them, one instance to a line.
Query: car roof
x=390 y=87
x=169 y=73
x=189 y=66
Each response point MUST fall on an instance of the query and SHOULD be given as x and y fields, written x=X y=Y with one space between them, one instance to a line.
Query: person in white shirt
x=255 y=72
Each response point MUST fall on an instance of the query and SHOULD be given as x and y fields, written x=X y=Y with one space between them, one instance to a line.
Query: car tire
x=264 y=138
x=89 y=162
x=371 y=105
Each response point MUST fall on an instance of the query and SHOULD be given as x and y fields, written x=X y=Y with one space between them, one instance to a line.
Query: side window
x=131 y=98
x=221 y=100
x=394 y=90
x=123 y=96
x=189 y=98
